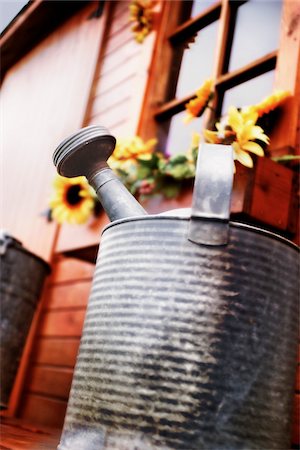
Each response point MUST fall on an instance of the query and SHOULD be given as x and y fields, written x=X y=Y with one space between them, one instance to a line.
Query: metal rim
x=20 y=248
x=82 y=137
x=233 y=224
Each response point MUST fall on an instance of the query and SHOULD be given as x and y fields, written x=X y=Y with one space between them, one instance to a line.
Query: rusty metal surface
x=21 y=278
x=186 y=346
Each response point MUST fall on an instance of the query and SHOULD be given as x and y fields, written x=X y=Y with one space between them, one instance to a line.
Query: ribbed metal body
x=186 y=346
x=21 y=281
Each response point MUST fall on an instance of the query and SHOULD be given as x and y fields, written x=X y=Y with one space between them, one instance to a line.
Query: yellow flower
x=195 y=140
x=223 y=135
x=132 y=148
x=73 y=200
x=141 y=13
x=239 y=130
x=271 y=102
x=243 y=125
x=196 y=106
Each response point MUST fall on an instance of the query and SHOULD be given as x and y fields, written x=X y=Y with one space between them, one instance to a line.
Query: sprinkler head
x=84 y=152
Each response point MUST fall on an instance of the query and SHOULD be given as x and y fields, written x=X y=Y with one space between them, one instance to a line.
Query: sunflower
x=73 y=200
x=240 y=131
x=271 y=102
x=142 y=14
x=196 y=106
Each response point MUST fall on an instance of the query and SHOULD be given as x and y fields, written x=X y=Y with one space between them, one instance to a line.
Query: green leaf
x=150 y=163
x=178 y=159
x=285 y=158
x=162 y=164
x=143 y=172
x=180 y=171
x=195 y=154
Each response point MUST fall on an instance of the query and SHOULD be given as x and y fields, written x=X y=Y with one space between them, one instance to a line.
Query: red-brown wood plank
x=67 y=295
x=271 y=194
x=43 y=410
x=50 y=381
x=19 y=435
x=55 y=351
x=61 y=323
x=71 y=269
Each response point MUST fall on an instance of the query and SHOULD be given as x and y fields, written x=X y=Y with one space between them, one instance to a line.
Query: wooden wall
x=121 y=76
x=44 y=97
x=116 y=99
x=53 y=355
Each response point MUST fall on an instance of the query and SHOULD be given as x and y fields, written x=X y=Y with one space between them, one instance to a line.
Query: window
x=233 y=42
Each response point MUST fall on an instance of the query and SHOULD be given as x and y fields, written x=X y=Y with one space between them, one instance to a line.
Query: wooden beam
x=245 y=73
x=195 y=24
x=155 y=93
x=286 y=135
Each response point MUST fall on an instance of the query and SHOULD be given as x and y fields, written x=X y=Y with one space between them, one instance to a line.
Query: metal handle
x=209 y=223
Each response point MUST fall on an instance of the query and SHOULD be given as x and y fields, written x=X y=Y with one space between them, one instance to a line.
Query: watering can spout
x=85 y=153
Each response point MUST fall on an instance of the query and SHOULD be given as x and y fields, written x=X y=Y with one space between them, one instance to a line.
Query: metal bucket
x=186 y=346
x=22 y=277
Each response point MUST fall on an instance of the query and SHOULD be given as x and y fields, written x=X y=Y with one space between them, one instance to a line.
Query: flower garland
x=146 y=171
x=151 y=172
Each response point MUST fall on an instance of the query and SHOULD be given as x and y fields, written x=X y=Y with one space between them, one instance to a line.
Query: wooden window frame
x=156 y=109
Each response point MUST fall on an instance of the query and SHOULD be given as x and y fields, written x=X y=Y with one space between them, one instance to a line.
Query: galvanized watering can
x=190 y=335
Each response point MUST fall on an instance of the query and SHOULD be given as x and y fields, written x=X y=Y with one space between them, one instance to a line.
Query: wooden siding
x=116 y=100
x=17 y=435
x=44 y=97
x=115 y=83
x=55 y=348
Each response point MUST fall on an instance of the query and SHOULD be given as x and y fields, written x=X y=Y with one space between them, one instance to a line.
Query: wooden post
x=286 y=136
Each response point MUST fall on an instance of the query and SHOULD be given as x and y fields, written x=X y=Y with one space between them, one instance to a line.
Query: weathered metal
x=187 y=346
x=21 y=281
x=210 y=210
x=85 y=153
